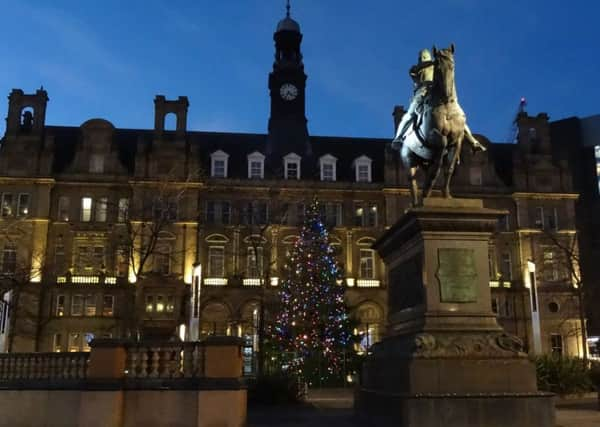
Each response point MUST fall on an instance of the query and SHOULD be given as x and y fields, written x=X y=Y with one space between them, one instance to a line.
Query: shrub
x=563 y=375
x=274 y=389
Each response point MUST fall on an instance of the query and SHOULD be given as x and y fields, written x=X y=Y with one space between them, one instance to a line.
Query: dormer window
x=362 y=169
x=328 y=167
x=218 y=164
x=291 y=164
x=256 y=165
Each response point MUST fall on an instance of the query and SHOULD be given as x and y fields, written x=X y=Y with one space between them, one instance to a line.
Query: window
x=9 y=258
x=7 y=204
x=331 y=214
x=162 y=258
x=123 y=212
x=328 y=166
x=256 y=162
x=492 y=262
x=23 y=205
x=164 y=209
x=218 y=212
x=96 y=163
x=170 y=308
x=122 y=262
x=556 y=344
x=77 y=305
x=216 y=261
x=90 y=305
x=101 y=208
x=57 y=343
x=218 y=164
x=551 y=220
x=539 y=218
x=89 y=259
x=108 y=305
x=86 y=209
x=365 y=215
x=291 y=164
x=60 y=306
x=367 y=264
x=294 y=214
x=475 y=177
x=506 y=266
x=63 y=208
x=362 y=167
x=551 y=266
x=254 y=262
x=74 y=341
x=149 y=303
x=495 y=304
x=160 y=303
x=255 y=213
x=503 y=223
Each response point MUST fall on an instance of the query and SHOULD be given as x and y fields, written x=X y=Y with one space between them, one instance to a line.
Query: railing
x=89 y=279
x=165 y=360
x=43 y=366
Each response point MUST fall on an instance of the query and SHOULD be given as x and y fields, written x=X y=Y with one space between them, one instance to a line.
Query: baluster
x=26 y=372
x=188 y=360
x=62 y=366
x=19 y=367
x=144 y=365
x=132 y=359
x=177 y=362
x=154 y=362
x=2 y=367
x=82 y=366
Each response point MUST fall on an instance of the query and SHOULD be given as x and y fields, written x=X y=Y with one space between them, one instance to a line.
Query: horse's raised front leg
x=453 y=155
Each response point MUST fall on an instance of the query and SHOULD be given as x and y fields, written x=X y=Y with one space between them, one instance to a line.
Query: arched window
x=370 y=318
x=215 y=320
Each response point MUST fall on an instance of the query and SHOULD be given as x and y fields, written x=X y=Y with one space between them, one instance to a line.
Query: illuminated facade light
x=350 y=282
x=252 y=282
x=274 y=281
x=215 y=281
x=367 y=283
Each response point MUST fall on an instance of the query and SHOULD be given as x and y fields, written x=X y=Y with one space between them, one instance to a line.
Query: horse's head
x=444 y=70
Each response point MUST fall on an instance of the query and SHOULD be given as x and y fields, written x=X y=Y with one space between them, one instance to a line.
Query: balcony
x=90 y=280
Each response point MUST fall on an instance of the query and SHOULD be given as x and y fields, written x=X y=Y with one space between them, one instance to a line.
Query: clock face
x=288 y=91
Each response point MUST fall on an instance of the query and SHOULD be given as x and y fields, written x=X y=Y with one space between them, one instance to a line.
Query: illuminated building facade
x=230 y=206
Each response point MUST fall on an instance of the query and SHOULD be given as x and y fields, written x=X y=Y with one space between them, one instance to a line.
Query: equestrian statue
x=431 y=132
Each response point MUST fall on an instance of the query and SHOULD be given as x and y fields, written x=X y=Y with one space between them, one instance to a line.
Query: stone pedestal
x=446 y=361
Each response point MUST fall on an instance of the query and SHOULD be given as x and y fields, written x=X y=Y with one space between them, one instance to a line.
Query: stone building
x=117 y=232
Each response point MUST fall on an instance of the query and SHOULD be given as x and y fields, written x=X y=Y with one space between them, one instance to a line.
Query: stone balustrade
x=43 y=366
x=165 y=360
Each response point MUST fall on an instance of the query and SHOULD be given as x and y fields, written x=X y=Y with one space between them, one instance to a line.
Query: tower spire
x=287 y=8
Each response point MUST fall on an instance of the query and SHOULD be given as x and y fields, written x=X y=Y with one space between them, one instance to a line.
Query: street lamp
x=194 y=316
x=531 y=284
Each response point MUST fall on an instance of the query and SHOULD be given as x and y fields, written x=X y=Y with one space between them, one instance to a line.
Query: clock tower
x=287 y=84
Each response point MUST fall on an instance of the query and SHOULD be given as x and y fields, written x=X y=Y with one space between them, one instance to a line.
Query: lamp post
x=531 y=284
x=194 y=316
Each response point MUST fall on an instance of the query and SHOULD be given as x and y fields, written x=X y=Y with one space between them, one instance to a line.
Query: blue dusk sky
x=110 y=58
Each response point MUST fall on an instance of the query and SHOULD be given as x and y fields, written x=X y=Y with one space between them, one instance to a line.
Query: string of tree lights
x=313 y=330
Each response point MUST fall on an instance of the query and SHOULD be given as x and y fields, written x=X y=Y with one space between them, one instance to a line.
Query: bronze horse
x=435 y=142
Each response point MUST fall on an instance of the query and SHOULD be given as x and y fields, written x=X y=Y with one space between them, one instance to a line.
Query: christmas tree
x=312 y=330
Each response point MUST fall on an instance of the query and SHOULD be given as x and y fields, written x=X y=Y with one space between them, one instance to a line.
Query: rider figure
x=422 y=76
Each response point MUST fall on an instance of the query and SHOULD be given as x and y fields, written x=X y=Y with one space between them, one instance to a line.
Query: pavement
x=333 y=408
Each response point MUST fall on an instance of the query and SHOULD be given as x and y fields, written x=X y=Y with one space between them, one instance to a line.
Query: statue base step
x=382 y=409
